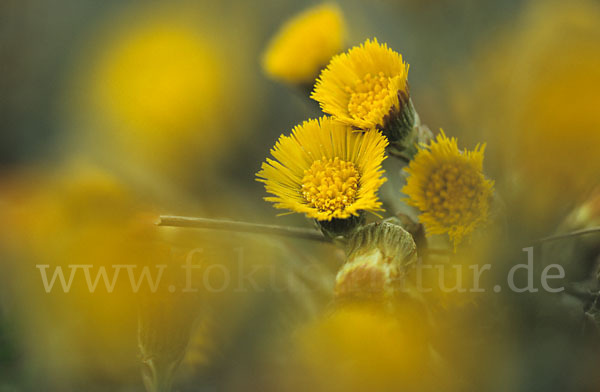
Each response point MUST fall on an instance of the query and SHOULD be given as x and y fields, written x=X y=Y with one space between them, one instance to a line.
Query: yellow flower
x=325 y=170
x=364 y=88
x=544 y=118
x=153 y=86
x=305 y=44
x=448 y=186
x=360 y=348
x=160 y=78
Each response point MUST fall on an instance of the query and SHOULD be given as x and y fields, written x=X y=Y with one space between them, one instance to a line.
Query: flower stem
x=575 y=233
x=241 y=227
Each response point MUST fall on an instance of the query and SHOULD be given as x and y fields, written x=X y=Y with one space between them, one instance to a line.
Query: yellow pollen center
x=453 y=197
x=367 y=95
x=330 y=184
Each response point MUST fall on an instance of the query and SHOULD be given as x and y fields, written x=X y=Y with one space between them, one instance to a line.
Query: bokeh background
x=112 y=112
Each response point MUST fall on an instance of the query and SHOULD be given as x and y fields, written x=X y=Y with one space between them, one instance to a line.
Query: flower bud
x=378 y=256
x=403 y=128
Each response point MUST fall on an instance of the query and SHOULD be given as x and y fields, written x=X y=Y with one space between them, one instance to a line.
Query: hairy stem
x=575 y=233
x=241 y=227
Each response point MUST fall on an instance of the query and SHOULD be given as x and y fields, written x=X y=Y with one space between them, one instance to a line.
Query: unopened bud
x=378 y=256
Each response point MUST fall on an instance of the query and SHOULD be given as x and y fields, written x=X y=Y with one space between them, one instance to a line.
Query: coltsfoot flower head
x=305 y=44
x=448 y=186
x=367 y=88
x=325 y=170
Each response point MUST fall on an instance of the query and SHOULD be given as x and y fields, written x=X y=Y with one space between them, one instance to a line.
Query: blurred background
x=114 y=112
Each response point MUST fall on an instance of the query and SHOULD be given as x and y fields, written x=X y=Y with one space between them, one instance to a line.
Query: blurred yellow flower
x=363 y=87
x=71 y=203
x=155 y=87
x=304 y=45
x=325 y=170
x=76 y=215
x=159 y=78
x=541 y=112
x=448 y=186
x=359 y=348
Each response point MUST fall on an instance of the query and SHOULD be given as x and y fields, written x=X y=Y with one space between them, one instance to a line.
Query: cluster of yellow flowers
x=331 y=169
